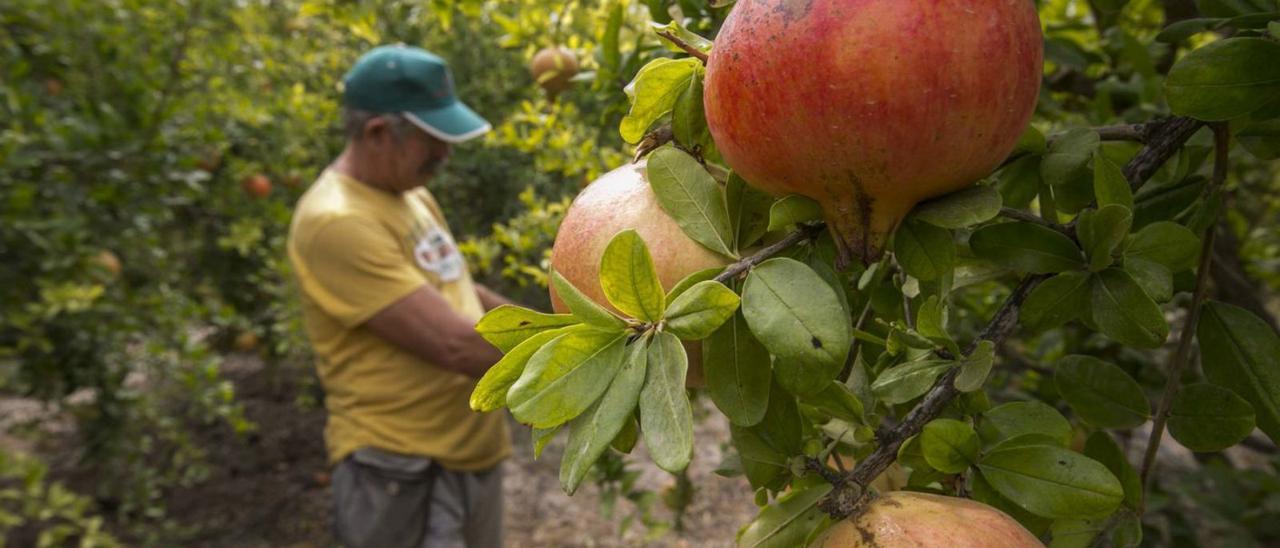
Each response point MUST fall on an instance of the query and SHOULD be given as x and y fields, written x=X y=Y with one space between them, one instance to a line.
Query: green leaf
x=1027 y=247
x=949 y=445
x=653 y=93
x=565 y=377
x=692 y=197
x=541 y=438
x=1225 y=79
x=1067 y=158
x=748 y=212
x=983 y=492
x=1014 y=419
x=684 y=34
x=1031 y=141
x=793 y=311
x=1102 y=231
x=1261 y=138
x=908 y=381
x=1109 y=183
x=788 y=521
x=610 y=53
x=975 y=368
x=931 y=323
x=1052 y=481
x=1182 y=30
x=1208 y=418
x=583 y=308
x=629 y=279
x=1057 y=301
x=1273 y=28
x=592 y=432
x=626 y=439
x=688 y=122
x=1102 y=448
x=690 y=281
x=1169 y=244
x=766 y=447
x=962 y=209
x=1240 y=352
x=793 y=209
x=1019 y=181
x=1154 y=278
x=701 y=310
x=508 y=325
x=666 y=419
x=1101 y=393
x=491 y=391
x=924 y=251
x=738 y=372
x=1124 y=312
x=838 y=401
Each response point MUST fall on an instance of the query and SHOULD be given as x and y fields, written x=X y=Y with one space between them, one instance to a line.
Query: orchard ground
x=269 y=487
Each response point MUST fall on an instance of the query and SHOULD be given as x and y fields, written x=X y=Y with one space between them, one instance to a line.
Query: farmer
x=391 y=309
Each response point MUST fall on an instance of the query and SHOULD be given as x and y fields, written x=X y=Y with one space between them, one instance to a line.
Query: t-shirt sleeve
x=354 y=268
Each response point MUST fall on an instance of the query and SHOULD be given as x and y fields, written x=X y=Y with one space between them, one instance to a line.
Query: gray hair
x=354 y=120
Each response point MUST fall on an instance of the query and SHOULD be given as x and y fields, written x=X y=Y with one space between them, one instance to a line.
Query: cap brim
x=452 y=124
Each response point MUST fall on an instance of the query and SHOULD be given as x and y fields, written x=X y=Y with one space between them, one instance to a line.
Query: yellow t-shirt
x=355 y=250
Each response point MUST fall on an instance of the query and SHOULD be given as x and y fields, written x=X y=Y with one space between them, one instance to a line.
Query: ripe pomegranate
x=108 y=261
x=906 y=519
x=258 y=186
x=869 y=106
x=552 y=68
x=245 y=342
x=617 y=201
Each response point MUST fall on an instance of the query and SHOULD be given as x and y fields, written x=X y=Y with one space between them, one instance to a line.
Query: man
x=391 y=310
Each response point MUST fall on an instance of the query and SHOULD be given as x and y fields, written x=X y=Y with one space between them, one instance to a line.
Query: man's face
x=412 y=158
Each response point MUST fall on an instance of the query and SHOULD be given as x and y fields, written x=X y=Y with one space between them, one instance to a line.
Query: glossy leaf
x=1027 y=247
x=793 y=311
x=749 y=211
x=692 y=197
x=908 y=381
x=1101 y=393
x=506 y=326
x=1166 y=243
x=654 y=92
x=793 y=209
x=565 y=377
x=961 y=209
x=1100 y=447
x=1124 y=312
x=1052 y=481
x=1101 y=232
x=1014 y=419
x=1207 y=417
x=1068 y=156
x=949 y=445
x=1225 y=79
x=490 y=392
x=592 y=432
x=701 y=310
x=788 y=521
x=1240 y=352
x=629 y=279
x=924 y=251
x=666 y=419
x=1057 y=301
x=583 y=308
x=975 y=368
x=738 y=372
x=1109 y=183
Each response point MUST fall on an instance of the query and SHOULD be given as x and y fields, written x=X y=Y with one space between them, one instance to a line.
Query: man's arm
x=424 y=324
x=490 y=299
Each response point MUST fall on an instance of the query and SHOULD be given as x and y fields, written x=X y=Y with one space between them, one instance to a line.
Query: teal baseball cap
x=415 y=83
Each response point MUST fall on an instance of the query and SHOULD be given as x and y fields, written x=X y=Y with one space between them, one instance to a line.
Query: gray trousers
x=382 y=499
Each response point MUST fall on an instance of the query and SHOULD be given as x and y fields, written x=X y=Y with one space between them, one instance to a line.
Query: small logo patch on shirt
x=437 y=253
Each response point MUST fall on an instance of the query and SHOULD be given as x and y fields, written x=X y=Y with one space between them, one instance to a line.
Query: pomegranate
x=870 y=106
x=257 y=186
x=617 y=201
x=907 y=519
x=552 y=68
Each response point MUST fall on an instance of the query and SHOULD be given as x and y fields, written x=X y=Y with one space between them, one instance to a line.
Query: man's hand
x=424 y=324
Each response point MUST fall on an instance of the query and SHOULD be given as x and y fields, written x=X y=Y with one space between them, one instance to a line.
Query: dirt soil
x=269 y=488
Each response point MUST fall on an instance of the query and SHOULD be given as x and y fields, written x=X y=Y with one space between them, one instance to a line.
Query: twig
x=847 y=495
x=804 y=233
x=1166 y=138
x=1222 y=142
x=1020 y=215
x=695 y=52
x=1126 y=132
x=652 y=140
